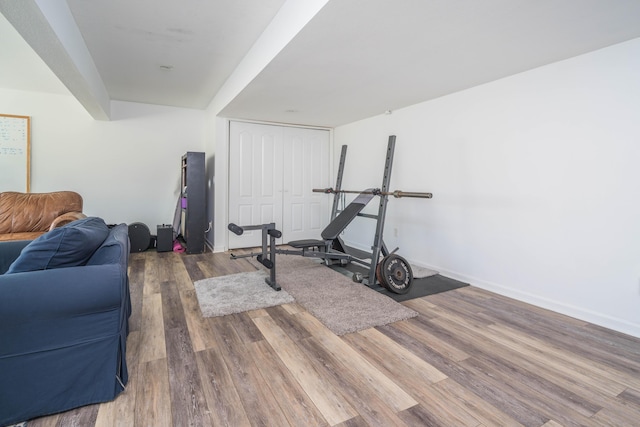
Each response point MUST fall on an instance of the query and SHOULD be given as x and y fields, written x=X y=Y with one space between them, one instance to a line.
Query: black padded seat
x=308 y=243
x=339 y=223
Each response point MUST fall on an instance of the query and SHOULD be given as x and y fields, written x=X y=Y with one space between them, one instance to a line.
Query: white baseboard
x=600 y=319
x=213 y=248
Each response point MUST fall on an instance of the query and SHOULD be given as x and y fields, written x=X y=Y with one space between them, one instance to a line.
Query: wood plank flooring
x=471 y=358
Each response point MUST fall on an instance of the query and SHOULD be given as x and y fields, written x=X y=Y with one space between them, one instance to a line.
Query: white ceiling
x=359 y=58
x=202 y=41
x=354 y=59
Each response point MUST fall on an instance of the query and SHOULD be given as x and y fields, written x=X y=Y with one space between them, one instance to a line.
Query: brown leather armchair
x=25 y=216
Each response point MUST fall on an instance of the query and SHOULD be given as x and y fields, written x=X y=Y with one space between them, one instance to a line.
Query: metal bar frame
x=336 y=197
x=378 y=243
x=268 y=250
x=396 y=193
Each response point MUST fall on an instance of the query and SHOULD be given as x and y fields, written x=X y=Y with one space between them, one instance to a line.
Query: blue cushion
x=111 y=249
x=67 y=246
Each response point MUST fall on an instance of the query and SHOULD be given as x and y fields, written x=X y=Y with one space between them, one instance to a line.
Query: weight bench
x=325 y=247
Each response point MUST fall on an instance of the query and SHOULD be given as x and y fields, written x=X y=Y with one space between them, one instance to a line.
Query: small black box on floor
x=164 y=241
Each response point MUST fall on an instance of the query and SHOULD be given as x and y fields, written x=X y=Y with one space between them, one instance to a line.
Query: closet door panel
x=306 y=167
x=255 y=179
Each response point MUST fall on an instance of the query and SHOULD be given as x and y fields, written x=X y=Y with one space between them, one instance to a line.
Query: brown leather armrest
x=65 y=219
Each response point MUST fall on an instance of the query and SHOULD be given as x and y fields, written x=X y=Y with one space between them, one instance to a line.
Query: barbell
x=376 y=192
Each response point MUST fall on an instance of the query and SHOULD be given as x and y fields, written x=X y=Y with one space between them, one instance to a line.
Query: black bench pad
x=308 y=243
x=339 y=223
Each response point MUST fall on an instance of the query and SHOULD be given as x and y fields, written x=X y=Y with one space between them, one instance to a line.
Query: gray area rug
x=237 y=293
x=340 y=304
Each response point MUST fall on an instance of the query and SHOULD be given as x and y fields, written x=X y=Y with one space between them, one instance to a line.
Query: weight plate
x=379 y=274
x=396 y=274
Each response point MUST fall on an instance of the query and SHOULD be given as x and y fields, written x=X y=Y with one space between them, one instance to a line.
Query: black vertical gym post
x=378 y=243
x=338 y=187
x=271 y=281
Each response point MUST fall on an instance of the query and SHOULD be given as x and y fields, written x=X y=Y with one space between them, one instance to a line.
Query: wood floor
x=471 y=358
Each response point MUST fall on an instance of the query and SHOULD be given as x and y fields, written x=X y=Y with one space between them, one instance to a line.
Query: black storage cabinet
x=193 y=202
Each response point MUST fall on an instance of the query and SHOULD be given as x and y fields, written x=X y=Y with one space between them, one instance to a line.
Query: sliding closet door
x=306 y=159
x=255 y=179
x=272 y=170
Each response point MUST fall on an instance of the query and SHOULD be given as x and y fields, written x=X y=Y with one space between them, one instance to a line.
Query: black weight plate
x=396 y=273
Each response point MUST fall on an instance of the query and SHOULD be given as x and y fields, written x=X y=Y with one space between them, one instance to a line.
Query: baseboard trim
x=600 y=319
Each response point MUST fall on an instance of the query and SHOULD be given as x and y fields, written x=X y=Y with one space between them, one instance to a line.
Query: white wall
x=216 y=160
x=127 y=169
x=536 y=184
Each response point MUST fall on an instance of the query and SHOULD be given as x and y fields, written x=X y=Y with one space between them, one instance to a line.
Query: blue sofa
x=63 y=328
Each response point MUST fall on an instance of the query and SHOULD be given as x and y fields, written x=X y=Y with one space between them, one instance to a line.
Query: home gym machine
x=391 y=271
